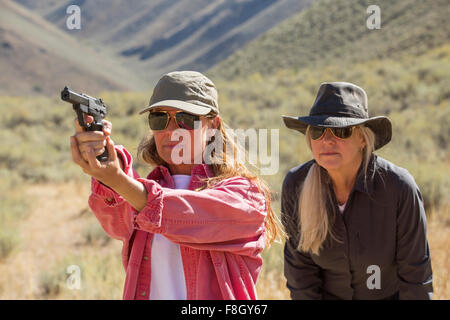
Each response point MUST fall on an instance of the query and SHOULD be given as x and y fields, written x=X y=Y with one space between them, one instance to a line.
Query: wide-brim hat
x=189 y=91
x=342 y=104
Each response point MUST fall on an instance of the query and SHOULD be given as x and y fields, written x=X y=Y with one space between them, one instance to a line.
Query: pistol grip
x=99 y=127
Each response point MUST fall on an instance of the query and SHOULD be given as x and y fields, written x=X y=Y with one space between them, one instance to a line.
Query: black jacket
x=382 y=232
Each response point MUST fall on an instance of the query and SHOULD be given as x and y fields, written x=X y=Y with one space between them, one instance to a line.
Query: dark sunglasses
x=159 y=120
x=317 y=133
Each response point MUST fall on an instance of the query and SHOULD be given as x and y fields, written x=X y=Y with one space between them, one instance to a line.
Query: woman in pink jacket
x=192 y=229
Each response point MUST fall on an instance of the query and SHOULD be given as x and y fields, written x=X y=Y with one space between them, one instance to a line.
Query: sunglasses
x=159 y=120
x=317 y=133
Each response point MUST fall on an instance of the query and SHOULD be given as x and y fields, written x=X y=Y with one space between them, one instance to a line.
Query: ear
x=215 y=122
x=361 y=139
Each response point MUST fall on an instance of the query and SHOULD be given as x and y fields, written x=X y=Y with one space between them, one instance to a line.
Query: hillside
x=37 y=58
x=335 y=32
x=154 y=37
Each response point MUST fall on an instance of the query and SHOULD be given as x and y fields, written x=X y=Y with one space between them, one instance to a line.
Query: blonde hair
x=315 y=218
x=223 y=166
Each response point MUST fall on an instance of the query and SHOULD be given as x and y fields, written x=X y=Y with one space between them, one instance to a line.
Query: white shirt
x=342 y=207
x=167 y=273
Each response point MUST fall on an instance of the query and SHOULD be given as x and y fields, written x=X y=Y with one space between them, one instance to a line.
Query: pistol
x=84 y=104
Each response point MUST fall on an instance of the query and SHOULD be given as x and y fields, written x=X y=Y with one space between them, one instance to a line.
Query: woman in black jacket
x=356 y=223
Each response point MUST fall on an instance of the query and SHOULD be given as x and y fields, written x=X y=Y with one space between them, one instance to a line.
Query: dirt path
x=52 y=229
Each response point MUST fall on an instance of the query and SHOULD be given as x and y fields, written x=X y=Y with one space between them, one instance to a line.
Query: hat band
x=349 y=112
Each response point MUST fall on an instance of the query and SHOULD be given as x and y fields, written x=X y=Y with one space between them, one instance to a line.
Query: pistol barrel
x=73 y=97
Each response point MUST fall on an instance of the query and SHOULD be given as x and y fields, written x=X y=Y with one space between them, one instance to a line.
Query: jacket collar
x=366 y=185
x=198 y=174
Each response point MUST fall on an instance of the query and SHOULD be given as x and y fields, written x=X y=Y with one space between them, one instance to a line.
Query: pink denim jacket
x=221 y=231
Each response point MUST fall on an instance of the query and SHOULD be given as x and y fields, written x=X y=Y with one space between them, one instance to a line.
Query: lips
x=329 y=153
x=170 y=145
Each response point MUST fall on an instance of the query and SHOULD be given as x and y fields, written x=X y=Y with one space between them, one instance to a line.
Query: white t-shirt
x=342 y=207
x=167 y=274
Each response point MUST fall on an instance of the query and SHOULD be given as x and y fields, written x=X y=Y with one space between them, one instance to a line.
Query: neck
x=181 y=169
x=344 y=179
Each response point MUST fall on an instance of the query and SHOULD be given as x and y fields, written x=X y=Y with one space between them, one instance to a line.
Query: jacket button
x=143 y=293
x=145 y=258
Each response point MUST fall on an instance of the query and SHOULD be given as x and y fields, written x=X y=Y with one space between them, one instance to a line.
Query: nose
x=172 y=123
x=328 y=136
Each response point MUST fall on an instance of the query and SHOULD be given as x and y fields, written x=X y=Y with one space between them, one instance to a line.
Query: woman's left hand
x=107 y=172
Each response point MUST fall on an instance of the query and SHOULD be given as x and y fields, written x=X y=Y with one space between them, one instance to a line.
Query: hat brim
x=381 y=126
x=182 y=105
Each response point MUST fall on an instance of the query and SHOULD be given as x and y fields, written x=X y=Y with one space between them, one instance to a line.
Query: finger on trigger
x=88 y=119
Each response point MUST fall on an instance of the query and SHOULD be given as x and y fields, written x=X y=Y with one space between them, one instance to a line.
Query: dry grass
x=60 y=231
x=439 y=241
x=54 y=237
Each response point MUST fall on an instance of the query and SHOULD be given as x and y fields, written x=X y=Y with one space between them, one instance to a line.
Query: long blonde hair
x=225 y=167
x=315 y=217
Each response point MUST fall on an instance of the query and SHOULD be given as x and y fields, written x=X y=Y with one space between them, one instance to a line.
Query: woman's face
x=172 y=145
x=333 y=153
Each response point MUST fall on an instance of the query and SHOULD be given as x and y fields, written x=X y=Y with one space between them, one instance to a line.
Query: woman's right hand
x=91 y=140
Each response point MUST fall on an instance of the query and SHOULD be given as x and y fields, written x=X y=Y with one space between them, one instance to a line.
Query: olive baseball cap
x=189 y=91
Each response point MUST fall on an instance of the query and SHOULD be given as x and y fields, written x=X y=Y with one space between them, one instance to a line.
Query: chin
x=330 y=164
x=167 y=158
